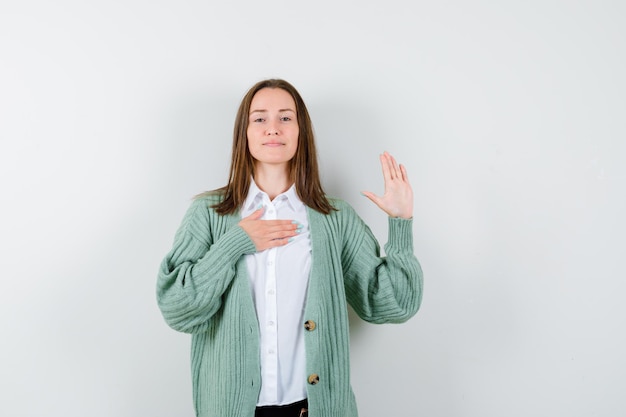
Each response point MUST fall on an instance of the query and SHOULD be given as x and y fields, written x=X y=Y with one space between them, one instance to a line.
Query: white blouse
x=279 y=279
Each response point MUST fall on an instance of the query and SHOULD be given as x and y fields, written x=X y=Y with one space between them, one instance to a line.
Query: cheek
x=295 y=133
x=294 y=148
x=252 y=137
x=293 y=143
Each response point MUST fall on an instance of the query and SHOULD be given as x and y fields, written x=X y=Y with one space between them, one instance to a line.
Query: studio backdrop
x=509 y=117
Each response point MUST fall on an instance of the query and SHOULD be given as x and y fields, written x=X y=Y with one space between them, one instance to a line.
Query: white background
x=509 y=115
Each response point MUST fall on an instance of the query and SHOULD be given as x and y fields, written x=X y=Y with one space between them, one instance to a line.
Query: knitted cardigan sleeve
x=199 y=268
x=381 y=289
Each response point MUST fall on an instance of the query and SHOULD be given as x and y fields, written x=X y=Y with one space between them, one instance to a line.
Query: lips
x=273 y=144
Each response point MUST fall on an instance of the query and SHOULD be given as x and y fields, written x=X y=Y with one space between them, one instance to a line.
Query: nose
x=272 y=129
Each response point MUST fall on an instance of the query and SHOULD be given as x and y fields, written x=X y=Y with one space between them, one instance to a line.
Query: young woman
x=261 y=271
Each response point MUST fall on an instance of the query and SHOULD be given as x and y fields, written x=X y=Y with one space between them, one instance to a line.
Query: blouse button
x=309 y=325
x=314 y=379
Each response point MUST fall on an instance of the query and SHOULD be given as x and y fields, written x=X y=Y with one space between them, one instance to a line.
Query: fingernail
x=290 y=240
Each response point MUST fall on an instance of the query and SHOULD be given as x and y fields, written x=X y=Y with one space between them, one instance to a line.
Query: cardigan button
x=310 y=325
x=314 y=379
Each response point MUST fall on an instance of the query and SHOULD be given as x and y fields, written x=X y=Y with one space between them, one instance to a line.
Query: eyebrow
x=265 y=111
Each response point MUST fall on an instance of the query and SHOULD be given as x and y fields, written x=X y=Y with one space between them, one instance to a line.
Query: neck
x=274 y=180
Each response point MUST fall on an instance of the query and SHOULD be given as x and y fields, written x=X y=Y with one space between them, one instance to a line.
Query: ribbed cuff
x=400 y=234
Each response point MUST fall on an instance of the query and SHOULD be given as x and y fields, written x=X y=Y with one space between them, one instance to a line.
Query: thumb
x=373 y=197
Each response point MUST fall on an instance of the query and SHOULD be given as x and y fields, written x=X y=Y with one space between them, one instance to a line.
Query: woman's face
x=272 y=127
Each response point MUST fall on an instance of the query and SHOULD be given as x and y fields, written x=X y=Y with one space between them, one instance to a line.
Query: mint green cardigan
x=203 y=289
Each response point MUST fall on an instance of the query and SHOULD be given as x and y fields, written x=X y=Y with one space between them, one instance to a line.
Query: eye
x=258 y=120
x=285 y=119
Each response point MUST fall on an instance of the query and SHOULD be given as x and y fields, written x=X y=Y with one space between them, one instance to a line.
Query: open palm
x=397 y=201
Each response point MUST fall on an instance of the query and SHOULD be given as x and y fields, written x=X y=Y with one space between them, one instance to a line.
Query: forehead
x=272 y=99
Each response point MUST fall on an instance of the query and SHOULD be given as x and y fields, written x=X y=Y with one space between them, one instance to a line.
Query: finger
x=280 y=228
x=393 y=166
x=276 y=239
x=264 y=242
x=262 y=230
x=395 y=169
x=267 y=244
x=405 y=176
x=280 y=222
x=267 y=226
x=271 y=226
x=384 y=163
x=378 y=201
x=373 y=197
x=283 y=235
x=276 y=243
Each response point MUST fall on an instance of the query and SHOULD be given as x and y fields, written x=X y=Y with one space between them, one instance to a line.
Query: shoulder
x=209 y=197
x=206 y=200
x=201 y=206
x=201 y=219
x=344 y=216
x=342 y=207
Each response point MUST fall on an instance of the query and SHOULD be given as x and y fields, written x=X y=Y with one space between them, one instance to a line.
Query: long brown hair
x=303 y=168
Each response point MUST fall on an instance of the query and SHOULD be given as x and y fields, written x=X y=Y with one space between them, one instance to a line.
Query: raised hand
x=266 y=234
x=397 y=201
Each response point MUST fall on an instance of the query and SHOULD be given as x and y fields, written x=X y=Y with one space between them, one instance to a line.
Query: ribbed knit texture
x=203 y=289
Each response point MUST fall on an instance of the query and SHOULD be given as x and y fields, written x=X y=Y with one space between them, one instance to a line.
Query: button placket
x=271 y=311
x=275 y=267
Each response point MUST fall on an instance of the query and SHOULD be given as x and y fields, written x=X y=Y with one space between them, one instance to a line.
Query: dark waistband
x=298 y=409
